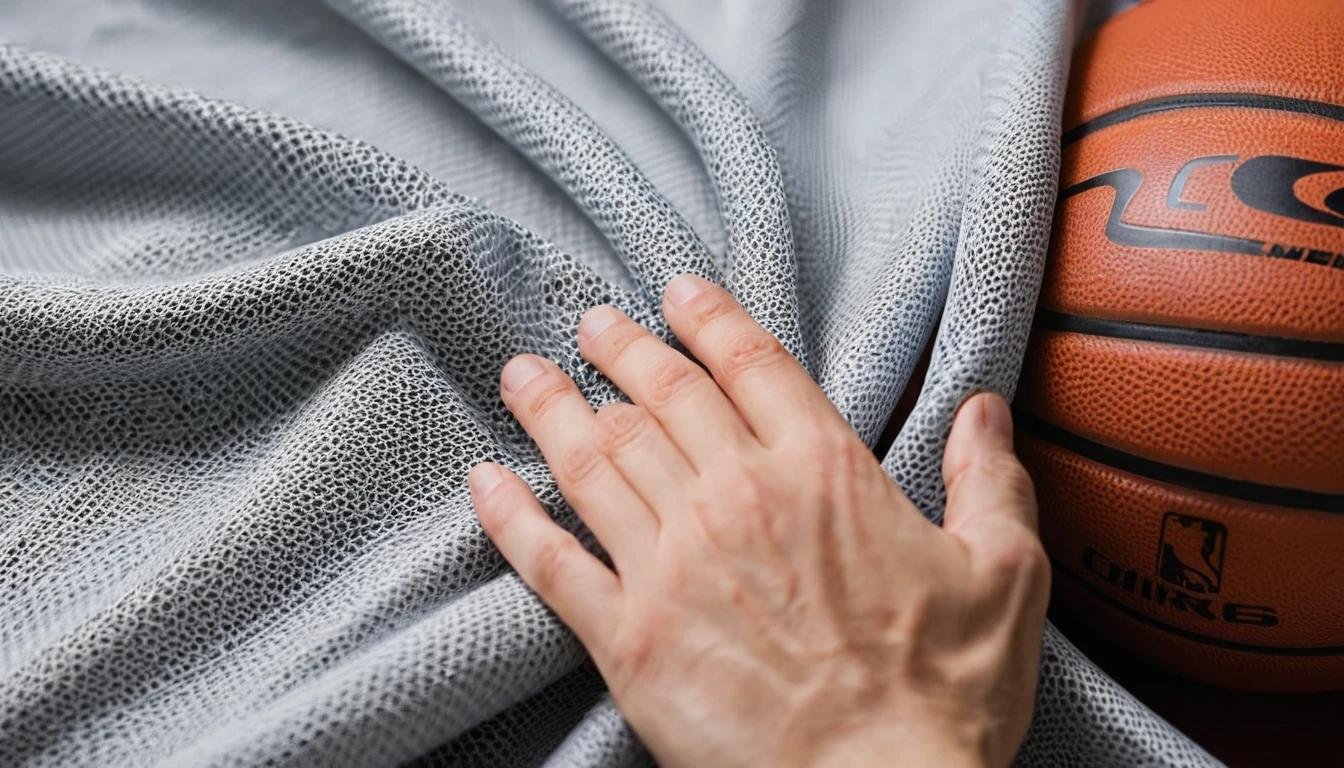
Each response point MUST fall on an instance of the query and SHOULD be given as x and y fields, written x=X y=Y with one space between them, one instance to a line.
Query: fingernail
x=995 y=415
x=597 y=320
x=683 y=288
x=519 y=371
x=483 y=478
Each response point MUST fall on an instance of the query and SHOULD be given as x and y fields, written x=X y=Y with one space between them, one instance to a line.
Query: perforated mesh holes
x=245 y=362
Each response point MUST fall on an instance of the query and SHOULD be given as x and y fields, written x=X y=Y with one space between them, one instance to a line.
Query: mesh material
x=245 y=361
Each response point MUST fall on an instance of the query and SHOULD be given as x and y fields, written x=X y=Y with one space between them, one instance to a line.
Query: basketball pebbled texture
x=1180 y=399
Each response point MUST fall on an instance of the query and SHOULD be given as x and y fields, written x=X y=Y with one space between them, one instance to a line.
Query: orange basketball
x=1182 y=402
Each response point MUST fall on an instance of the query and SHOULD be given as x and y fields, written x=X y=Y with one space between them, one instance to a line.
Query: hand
x=776 y=599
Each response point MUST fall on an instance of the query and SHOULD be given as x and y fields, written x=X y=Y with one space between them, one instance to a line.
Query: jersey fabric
x=261 y=264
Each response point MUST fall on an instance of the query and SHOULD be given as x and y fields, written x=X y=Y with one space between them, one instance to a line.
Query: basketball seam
x=1229 y=341
x=1202 y=100
x=1245 y=490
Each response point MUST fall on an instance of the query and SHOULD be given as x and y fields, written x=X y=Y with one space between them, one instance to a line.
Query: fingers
x=771 y=390
x=687 y=403
x=990 y=501
x=641 y=450
x=551 y=409
x=583 y=592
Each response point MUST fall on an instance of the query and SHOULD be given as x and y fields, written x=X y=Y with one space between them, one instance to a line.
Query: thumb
x=989 y=493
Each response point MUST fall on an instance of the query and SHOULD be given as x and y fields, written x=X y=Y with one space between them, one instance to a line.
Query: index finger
x=775 y=396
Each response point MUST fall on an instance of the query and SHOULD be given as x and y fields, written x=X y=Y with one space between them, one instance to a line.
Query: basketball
x=1181 y=406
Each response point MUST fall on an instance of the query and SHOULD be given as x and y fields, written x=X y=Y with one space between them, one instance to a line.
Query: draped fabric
x=260 y=266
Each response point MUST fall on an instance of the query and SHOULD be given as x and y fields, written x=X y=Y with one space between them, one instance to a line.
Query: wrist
x=910 y=751
x=903 y=743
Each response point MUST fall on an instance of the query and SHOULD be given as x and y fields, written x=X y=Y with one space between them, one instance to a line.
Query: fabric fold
x=246 y=361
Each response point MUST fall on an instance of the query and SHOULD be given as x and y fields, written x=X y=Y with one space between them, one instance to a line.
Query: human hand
x=776 y=599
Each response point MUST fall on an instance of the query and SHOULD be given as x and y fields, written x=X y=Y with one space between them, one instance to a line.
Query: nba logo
x=1190 y=552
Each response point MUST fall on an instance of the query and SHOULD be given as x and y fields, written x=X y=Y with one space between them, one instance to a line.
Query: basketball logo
x=1267 y=183
x=1190 y=552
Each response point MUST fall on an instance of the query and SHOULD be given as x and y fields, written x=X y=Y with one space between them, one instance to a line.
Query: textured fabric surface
x=260 y=265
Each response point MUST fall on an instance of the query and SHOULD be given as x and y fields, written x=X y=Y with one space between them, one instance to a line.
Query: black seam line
x=1273 y=495
x=1277 y=346
x=1269 y=650
x=1196 y=100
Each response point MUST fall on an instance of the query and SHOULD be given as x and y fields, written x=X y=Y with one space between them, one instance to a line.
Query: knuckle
x=632 y=652
x=709 y=309
x=669 y=378
x=619 y=425
x=744 y=511
x=841 y=471
x=750 y=494
x=577 y=464
x=676 y=580
x=699 y=508
x=835 y=454
x=545 y=399
x=1036 y=563
x=621 y=341
x=1020 y=556
x=550 y=562
x=751 y=350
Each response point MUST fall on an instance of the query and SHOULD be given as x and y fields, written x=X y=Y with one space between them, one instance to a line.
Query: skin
x=775 y=598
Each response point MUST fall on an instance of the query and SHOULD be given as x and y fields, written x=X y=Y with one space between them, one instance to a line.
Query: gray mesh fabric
x=252 y=315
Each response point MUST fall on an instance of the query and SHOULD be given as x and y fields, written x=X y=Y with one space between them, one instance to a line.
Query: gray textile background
x=260 y=264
